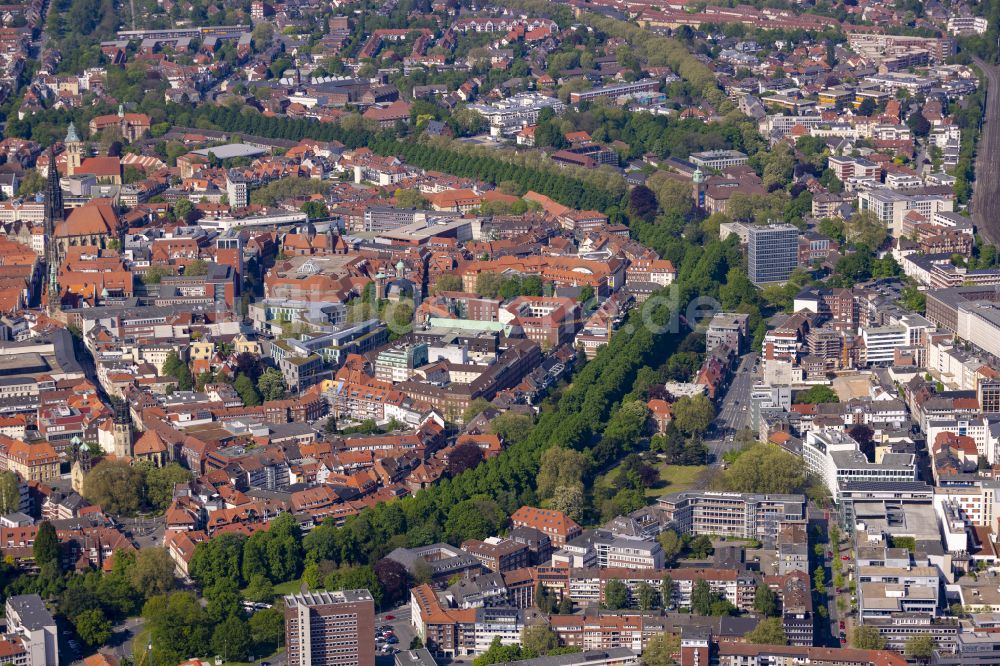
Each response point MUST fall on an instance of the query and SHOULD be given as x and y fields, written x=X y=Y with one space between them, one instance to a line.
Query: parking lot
x=398 y=619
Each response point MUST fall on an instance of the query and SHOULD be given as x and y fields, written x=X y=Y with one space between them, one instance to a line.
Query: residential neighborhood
x=425 y=332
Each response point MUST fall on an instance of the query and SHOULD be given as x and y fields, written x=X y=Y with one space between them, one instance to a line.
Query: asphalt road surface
x=986 y=189
x=735 y=412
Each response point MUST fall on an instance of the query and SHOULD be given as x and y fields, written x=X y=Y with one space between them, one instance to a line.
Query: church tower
x=122 y=430
x=74 y=150
x=54 y=214
x=81 y=464
x=698 y=180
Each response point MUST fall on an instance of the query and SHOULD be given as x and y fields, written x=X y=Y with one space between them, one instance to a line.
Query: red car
x=390 y=617
x=842 y=625
x=845 y=557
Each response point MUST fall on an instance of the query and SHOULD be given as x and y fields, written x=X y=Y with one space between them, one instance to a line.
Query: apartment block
x=740 y=515
x=330 y=628
x=836 y=457
x=28 y=618
x=731 y=329
x=772 y=252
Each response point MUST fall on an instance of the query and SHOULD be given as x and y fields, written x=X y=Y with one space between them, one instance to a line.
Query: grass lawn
x=674 y=478
x=139 y=643
x=291 y=587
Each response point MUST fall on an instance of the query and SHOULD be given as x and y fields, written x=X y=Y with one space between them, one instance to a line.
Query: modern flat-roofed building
x=772 y=252
x=330 y=628
x=968 y=25
x=718 y=159
x=728 y=328
x=28 y=618
x=741 y=515
x=837 y=458
x=616 y=91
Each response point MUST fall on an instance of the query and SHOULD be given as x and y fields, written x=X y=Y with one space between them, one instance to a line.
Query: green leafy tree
x=315 y=209
x=410 y=199
x=816 y=394
x=765 y=601
x=448 y=282
x=660 y=650
x=819 y=580
x=475 y=518
x=919 y=648
x=196 y=268
x=222 y=600
x=259 y=589
x=765 y=468
x=93 y=627
x=271 y=385
x=865 y=228
x=700 y=547
x=153 y=275
x=217 y=559
x=160 y=482
x=539 y=639
x=246 y=390
x=115 y=486
x=10 y=493
x=560 y=467
x=693 y=414
x=667 y=591
x=498 y=653
x=615 y=595
x=768 y=631
x=178 y=626
x=153 y=571
x=232 y=639
x=647 y=596
x=268 y=628
x=570 y=500
x=511 y=428
x=183 y=209
x=355 y=578
x=32 y=183
x=475 y=408
x=702 y=598
x=46 y=547
x=671 y=544
x=565 y=605
x=867 y=637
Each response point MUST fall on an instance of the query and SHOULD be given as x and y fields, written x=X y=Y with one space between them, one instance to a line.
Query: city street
x=735 y=412
x=986 y=192
x=145 y=532
x=400 y=624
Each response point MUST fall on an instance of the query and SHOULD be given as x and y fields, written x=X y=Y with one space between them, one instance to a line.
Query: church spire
x=54 y=213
